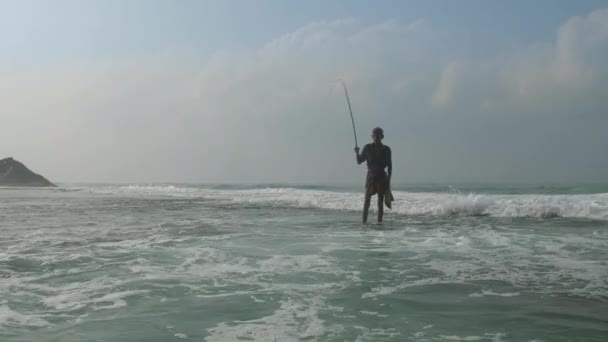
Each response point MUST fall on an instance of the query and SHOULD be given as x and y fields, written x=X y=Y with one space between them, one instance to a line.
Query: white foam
x=590 y=206
x=377 y=334
x=369 y=313
x=116 y=299
x=494 y=337
x=94 y=293
x=257 y=300
x=485 y=293
x=169 y=190
x=293 y=321
x=463 y=338
x=294 y=263
x=11 y=317
x=519 y=258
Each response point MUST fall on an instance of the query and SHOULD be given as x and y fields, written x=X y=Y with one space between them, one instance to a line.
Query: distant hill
x=14 y=173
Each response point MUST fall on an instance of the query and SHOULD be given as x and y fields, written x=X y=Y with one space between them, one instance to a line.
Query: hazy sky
x=245 y=91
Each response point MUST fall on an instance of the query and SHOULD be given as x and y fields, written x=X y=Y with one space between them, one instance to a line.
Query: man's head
x=377 y=134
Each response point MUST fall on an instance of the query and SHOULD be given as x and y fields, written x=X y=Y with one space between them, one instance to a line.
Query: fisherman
x=378 y=157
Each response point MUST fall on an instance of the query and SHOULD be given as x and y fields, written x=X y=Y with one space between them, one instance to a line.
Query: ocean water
x=294 y=263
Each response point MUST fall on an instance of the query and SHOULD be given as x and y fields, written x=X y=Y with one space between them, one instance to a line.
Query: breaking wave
x=584 y=206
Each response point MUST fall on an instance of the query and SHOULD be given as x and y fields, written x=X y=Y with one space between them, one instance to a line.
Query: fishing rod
x=350 y=110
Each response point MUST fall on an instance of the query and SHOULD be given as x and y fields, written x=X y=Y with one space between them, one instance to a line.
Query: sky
x=247 y=91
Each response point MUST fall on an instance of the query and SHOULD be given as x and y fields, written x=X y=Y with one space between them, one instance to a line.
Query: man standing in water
x=378 y=157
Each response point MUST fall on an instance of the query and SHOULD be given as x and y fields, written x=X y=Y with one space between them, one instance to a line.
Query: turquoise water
x=291 y=263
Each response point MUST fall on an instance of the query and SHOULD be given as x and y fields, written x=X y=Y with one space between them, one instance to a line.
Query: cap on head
x=378 y=131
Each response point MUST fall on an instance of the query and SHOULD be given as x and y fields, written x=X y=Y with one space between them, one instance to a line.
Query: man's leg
x=380 y=205
x=366 y=204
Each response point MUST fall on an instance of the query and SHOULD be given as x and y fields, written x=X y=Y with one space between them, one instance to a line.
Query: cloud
x=568 y=75
x=446 y=86
x=275 y=112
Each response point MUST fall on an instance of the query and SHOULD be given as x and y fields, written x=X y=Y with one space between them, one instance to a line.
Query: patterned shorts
x=376 y=183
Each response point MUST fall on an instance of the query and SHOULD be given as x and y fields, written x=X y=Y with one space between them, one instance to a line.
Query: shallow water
x=225 y=263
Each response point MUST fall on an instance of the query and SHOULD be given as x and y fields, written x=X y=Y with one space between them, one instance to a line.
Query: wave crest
x=589 y=206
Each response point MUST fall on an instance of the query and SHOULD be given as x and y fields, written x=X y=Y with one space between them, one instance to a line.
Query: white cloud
x=564 y=75
x=270 y=113
x=446 y=86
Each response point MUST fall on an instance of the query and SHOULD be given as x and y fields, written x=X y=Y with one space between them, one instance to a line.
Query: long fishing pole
x=350 y=110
